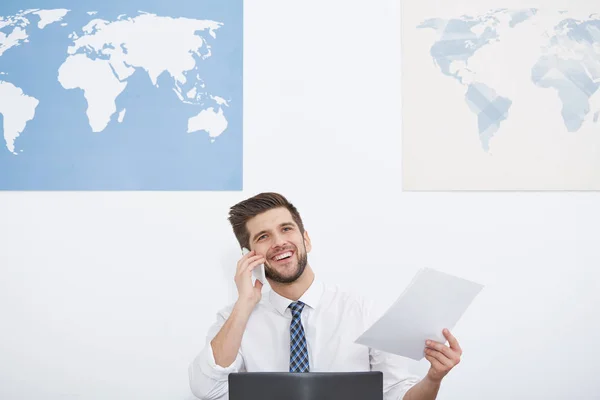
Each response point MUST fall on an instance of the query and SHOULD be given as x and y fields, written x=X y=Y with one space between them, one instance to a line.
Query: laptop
x=306 y=386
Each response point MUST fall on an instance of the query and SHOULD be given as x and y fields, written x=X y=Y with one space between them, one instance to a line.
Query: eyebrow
x=280 y=225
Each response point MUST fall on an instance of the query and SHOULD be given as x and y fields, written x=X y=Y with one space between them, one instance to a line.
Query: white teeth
x=284 y=255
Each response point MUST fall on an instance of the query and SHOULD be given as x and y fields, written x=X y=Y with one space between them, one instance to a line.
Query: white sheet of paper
x=431 y=302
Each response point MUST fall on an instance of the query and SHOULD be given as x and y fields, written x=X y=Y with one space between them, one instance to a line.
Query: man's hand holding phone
x=226 y=344
x=247 y=292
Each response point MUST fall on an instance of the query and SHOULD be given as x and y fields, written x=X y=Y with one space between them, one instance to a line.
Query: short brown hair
x=243 y=211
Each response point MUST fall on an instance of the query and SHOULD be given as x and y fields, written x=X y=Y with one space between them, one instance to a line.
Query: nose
x=279 y=241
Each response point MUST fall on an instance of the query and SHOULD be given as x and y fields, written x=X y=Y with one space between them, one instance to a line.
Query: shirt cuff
x=214 y=370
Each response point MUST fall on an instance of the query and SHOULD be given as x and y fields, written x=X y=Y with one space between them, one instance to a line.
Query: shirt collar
x=311 y=297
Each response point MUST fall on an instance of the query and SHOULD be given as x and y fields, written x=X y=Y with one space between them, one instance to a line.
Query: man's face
x=275 y=235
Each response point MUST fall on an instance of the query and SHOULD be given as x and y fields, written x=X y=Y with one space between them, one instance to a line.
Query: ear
x=307 y=242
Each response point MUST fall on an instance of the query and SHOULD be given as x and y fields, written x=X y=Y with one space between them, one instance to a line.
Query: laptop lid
x=306 y=386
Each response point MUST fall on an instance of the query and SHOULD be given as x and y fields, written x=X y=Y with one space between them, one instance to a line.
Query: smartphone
x=259 y=271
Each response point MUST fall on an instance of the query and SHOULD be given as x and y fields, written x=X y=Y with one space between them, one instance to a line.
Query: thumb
x=258 y=284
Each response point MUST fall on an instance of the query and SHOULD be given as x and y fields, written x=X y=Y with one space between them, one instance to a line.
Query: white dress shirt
x=332 y=320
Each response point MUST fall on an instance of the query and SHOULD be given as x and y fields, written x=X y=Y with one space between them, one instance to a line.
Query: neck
x=296 y=289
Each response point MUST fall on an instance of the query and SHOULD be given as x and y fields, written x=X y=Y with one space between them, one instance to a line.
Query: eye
x=261 y=237
x=287 y=228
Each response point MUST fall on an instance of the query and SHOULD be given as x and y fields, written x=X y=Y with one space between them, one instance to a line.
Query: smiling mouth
x=283 y=256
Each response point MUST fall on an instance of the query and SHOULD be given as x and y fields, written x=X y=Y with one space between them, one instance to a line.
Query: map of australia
x=160 y=94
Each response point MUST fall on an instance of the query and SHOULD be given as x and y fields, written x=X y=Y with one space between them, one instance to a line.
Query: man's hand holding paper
x=418 y=324
x=441 y=357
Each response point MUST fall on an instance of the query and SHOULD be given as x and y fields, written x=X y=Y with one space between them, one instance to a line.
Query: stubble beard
x=272 y=274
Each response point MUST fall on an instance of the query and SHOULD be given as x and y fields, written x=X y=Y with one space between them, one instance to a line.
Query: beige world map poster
x=500 y=96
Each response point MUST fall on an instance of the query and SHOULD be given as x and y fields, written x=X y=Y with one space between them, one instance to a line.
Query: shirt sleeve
x=209 y=381
x=397 y=378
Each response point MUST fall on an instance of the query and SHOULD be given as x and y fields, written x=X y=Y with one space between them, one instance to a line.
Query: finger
x=442 y=359
x=434 y=362
x=243 y=263
x=258 y=285
x=255 y=263
x=244 y=257
x=452 y=341
x=249 y=265
x=442 y=348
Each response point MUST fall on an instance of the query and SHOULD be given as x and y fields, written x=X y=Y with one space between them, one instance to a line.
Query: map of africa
x=496 y=61
x=97 y=96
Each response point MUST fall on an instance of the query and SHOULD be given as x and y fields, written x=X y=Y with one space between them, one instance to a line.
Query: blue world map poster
x=127 y=95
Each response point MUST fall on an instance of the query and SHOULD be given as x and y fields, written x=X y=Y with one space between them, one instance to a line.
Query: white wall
x=109 y=295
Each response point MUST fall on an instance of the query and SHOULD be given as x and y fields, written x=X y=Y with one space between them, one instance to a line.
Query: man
x=301 y=325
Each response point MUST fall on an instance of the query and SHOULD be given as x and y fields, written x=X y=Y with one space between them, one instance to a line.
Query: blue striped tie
x=298 y=350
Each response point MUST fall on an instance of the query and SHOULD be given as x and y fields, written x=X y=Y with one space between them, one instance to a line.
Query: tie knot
x=296 y=308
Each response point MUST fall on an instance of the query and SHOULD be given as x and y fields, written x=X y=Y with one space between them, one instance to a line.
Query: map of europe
x=130 y=96
x=568 y=63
